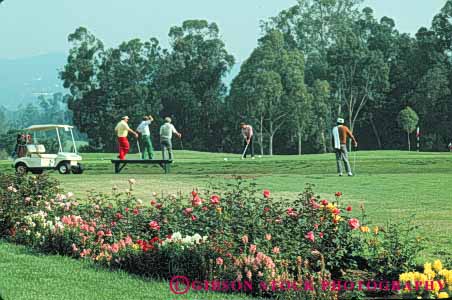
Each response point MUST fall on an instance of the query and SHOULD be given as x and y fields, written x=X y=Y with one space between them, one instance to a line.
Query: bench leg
x=117 y=170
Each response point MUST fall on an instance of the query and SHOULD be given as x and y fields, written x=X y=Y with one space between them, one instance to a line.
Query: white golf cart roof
x=47 y=127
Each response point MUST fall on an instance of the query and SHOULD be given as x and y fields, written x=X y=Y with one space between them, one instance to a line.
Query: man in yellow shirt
x=122 y=130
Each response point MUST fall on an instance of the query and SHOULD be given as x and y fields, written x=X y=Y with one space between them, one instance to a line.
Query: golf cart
x=34 y=158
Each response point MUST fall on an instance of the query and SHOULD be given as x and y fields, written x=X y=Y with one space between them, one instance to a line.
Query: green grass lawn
x=393 y=185
x=25 y=275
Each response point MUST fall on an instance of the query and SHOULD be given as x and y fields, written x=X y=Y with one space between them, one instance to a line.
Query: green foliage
x=19 y=196
x=408 y=121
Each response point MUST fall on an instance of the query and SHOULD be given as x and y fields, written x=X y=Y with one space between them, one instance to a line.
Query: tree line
x=315 y=61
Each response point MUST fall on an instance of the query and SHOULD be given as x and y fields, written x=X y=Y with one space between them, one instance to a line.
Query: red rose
x=349 y=208
x=336 y=211
x=324 y=202
x=119 y=216
x=266 y=209
x=194 y=193
x=321 y=235
x=353 y=223
x=193 y=218
x=266 y=194
x=310 y=236
x=136 y=211
x=338 y=194
x=215 y=200
x=153 y=202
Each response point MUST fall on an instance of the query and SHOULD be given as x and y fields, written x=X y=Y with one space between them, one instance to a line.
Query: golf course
x=393 y=186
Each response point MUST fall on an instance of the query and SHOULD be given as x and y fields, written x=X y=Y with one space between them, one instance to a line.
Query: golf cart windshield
x=55 y=138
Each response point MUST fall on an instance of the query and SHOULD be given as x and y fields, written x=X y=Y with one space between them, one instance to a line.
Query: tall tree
x=408 y=121
x=270 y=85
x=190 y=82
x=106 y=84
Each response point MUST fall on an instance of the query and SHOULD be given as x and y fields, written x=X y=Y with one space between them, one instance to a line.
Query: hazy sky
x=32 y=27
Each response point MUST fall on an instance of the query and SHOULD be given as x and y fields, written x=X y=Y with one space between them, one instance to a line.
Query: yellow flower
x=376 y=229
x=331 y=206
x=336 y=218
x=443 y=295
x=437 y=265
x=427 y=268
x=135 y=246
x=219 y=210
x=436 y=286
x=364 y=229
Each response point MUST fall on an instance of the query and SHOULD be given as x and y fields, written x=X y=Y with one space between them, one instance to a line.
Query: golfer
x=145 y=137
x=340 y=135
x=247 y=133
x=122 y=129
x=166 y=134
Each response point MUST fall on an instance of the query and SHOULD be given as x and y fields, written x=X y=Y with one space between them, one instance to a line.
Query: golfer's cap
x=168 y=120
x=125 y=118
x=340 y=120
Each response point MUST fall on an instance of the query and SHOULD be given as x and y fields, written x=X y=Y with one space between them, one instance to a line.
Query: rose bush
x=230 y=233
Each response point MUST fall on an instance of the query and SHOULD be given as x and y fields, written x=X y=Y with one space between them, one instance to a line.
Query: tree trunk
x=322 y=137
x=299 y=142
x=270 y=145
x=409 y=144
x=375 y=130
x=261 y=136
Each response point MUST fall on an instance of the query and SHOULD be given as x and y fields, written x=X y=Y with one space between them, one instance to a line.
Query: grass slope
x=25 y=275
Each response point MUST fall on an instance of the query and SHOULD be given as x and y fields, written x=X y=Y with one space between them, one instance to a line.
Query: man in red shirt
x=340 y=135
x=247 y=132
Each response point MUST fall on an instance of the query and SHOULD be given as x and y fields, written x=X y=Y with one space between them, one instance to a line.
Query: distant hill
x=23 y=79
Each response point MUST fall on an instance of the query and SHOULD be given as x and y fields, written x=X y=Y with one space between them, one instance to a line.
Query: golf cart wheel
x=21 y=169
x=78 y=169
x=37 y=171
x=64 y=168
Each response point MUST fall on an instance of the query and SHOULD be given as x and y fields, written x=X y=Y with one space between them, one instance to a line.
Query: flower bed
x=235 y=233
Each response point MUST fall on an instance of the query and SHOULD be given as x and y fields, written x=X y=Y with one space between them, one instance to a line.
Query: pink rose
x=188 y=211
x=197 y=201
x=215 y=200
x=100 y=233
x=253 y=248
x=193 y=218
x=321 y=235
x=353 y=223
x=275 y=250
x=310 y=236
x=114 y=248
x=154 y=225
x=245 y=239
x=268 y=236
x=219 y=261
x=266 y=194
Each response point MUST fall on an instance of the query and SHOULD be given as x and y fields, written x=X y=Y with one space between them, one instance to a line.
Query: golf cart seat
x=39 y=150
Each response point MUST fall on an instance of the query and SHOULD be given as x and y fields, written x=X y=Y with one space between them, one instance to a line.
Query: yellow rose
x=437 y=265
x=219 y=210
x=364 y=229
x=443 y=295
x=376 y=229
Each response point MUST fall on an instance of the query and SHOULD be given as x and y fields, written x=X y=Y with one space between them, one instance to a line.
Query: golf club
x=354 y=160
x=246 y=148
x=181 y=144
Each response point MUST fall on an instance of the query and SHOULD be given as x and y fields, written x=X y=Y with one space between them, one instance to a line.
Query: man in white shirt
x=166 y=134
x=145 y=137
x=248 y=136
